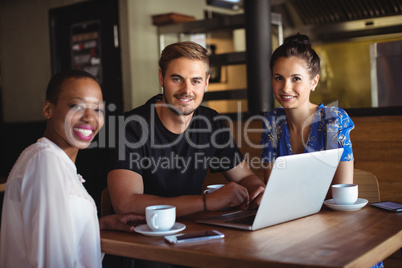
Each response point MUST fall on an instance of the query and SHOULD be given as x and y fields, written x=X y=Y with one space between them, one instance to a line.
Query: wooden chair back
x=368 y=185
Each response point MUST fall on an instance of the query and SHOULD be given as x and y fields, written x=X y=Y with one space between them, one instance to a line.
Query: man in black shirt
x=170 y=143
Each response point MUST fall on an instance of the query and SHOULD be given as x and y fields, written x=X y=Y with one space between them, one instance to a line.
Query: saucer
x=145 y=230
x=356 y=206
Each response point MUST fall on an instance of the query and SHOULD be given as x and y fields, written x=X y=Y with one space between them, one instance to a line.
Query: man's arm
x=127 y=195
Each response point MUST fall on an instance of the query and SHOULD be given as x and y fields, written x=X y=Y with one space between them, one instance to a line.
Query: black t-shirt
x=174 y=164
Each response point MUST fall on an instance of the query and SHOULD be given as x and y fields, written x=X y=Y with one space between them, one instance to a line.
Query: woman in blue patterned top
x=301 y=126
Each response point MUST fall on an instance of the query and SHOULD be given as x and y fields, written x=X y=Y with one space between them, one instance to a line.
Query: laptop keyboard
x=245 y=220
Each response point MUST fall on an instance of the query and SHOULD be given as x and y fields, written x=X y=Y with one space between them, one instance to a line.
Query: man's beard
x=177 y=110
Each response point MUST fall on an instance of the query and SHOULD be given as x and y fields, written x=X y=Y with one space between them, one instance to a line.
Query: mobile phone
x=387 y=205
x=194 y=237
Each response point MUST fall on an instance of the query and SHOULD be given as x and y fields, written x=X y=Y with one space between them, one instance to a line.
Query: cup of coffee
x=212 y=188
x=160 y=217
x=344 y=194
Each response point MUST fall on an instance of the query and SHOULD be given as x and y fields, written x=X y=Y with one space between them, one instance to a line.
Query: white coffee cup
x=344 y=194
x=212 y=188
x=160 y=217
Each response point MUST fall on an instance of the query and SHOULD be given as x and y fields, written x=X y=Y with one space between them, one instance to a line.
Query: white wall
x=25 y=64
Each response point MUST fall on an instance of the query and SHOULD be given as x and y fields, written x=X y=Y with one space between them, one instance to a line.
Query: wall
x=25 y=56
x=377 y=145
x=345 y=72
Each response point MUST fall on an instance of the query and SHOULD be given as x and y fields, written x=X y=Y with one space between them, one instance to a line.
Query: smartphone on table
x=387 y=205
x=194 y=237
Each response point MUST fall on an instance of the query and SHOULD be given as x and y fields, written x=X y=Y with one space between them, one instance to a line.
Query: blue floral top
x=330 y=129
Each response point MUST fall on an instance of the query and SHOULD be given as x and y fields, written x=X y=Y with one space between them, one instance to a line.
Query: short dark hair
x=57 y=81
x=187 y=49
x=298 y=45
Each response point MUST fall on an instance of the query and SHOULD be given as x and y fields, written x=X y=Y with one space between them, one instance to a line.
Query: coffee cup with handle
x=160 y=217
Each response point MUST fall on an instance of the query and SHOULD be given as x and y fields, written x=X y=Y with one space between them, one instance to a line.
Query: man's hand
x=120 y=222
x=244 y=176
x=230 y=195
x=256 y=196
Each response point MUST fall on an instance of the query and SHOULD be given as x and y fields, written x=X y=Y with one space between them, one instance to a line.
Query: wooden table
x=327 y=239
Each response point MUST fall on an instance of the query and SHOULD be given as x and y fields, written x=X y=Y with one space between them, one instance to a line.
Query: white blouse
x=49 y=219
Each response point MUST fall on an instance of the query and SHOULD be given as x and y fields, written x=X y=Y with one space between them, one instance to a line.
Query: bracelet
x=204 y=201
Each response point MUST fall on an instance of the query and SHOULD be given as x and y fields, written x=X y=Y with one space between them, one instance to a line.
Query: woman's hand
x=120 y=222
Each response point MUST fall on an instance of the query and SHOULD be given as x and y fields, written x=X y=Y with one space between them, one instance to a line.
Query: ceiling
x=340 y=19
x=318 y=12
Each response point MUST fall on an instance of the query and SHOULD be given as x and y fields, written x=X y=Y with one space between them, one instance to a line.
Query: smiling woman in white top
x=49 y=219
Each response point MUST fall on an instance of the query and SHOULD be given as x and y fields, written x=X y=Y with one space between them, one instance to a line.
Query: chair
x=106 y=203
x=3 y=184
x=2 y=187
x=368 y=185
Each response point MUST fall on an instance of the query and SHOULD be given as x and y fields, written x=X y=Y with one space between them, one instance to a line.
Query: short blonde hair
x=187 y=49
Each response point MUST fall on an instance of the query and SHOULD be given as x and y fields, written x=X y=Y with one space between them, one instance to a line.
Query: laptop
x=297 y=187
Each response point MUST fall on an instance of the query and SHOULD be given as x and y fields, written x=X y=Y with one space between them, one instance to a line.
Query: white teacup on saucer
x=344 y=194
x=160 y=217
